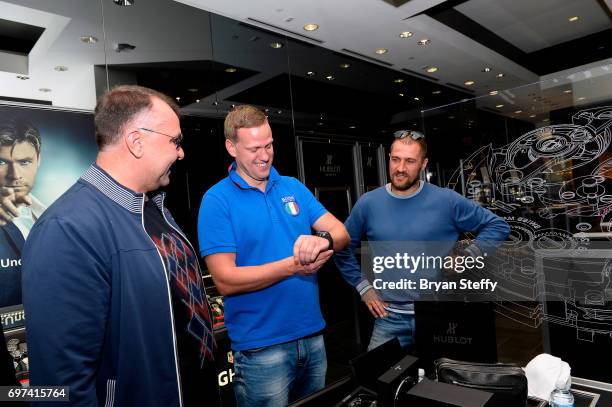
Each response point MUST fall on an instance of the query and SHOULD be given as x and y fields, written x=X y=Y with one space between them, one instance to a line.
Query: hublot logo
x=451 y=338
x=328 y=169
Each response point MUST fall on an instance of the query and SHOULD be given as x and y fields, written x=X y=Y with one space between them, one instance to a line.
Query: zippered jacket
x=97 y=300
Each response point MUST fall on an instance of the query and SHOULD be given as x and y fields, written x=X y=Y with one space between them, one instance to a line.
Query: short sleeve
x=215 y=232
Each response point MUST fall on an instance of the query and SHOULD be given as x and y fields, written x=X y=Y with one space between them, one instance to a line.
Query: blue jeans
x=395 y=325
x=277 y=375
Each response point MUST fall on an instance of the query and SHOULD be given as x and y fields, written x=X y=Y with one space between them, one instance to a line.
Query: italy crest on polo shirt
x=291 y=206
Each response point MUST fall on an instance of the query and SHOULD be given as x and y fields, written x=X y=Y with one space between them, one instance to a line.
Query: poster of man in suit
x=42 y=152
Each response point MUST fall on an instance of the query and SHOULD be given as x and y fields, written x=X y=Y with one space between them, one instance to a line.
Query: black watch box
x=428 y=393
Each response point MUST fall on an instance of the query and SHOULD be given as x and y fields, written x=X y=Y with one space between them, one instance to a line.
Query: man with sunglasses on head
x=116 y=309
x=408 y=209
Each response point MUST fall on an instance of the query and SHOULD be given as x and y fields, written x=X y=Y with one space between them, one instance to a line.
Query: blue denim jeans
x=395 y=325
x=277 y=375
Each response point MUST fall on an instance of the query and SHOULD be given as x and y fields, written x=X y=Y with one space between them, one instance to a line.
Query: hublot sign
x=451 y=336
x=328 y=168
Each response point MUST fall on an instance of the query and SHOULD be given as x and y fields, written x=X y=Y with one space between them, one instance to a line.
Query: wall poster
x=43 y=151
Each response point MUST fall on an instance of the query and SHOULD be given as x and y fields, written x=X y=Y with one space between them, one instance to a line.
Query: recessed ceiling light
x=546 y=120
x=436 y=92
x=344 y=66
x=124 y=2
x=192 y=90
x=424 y=41
x=567 y=91
x=499 y=75
x=352 y=127
x=582 y=98
x=279 y=112
x=401 y=94
x=197 y=100
x=493 y=93
x=61 y=68
x=381 y=51
x=178 y=98
x=572 y=19
x=276 y=45
x=468 y=83
x=532 y=115
x=417 y=99
x=486 y=69
x=499 y=106
x=329 y=77
x=45 y=90
x=405 y=34
x=23 y=77
x=230 y=69
x=89 y=39
x=398 y=80
x=311 y=26
x=518 y=111
x=431 y=69
x=311 y=73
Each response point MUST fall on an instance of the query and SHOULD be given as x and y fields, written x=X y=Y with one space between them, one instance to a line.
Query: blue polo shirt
x=261 y=227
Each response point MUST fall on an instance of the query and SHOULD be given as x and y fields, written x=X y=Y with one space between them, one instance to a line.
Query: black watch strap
x=327 y=236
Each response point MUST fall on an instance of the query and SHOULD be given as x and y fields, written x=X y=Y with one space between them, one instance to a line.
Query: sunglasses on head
x=415 y=135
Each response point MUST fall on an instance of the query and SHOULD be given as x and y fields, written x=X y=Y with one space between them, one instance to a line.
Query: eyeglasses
x=415 y=135
x=174 y=140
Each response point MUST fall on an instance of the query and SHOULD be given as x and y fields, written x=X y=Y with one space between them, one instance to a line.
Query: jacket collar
x=240 y=182
x=130 y=200
x=14 y=237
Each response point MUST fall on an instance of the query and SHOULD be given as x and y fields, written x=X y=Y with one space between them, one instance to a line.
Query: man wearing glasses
x=409 y=210
x=112 y=288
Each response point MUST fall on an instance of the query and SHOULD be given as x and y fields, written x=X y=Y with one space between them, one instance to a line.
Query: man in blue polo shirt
x=254 y=229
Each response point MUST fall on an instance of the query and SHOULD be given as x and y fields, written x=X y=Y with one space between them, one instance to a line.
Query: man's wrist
x=291 y=267
x=327 y=236
x=473 y=250
x=363 y=287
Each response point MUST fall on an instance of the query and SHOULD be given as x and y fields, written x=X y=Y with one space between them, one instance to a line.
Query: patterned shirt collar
x=130 y=200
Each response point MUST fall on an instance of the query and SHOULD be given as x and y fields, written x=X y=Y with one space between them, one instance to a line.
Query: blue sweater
x=430 y=214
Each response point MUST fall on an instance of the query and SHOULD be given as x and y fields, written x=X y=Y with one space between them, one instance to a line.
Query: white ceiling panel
x=535 y=24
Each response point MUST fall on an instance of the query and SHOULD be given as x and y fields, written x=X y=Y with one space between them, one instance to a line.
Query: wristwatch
x=327 y=236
